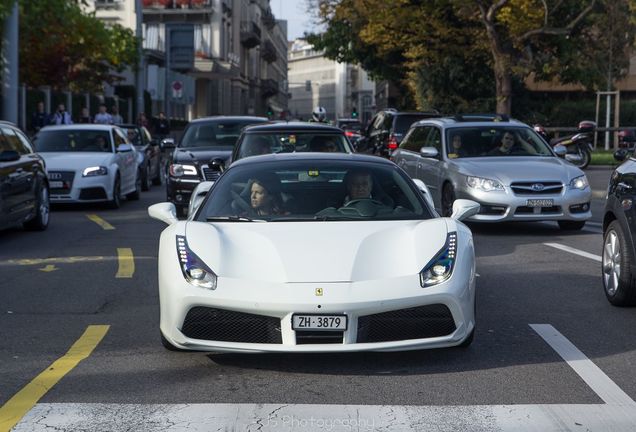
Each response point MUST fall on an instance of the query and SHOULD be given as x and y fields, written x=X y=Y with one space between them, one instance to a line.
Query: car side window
x=4 y=144
x=25 y=141
x=434 y=139
x=416 y=138
x=14 y=142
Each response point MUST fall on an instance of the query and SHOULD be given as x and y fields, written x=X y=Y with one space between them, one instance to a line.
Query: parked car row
x=83 y=163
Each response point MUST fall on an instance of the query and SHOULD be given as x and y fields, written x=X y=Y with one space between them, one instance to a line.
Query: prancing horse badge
x=319 y=292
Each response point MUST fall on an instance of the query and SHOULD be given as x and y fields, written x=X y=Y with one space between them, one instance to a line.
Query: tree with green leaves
x=63 y=47
x=565 y=40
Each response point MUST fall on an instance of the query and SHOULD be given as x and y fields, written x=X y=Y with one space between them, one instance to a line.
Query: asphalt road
x=76 y=274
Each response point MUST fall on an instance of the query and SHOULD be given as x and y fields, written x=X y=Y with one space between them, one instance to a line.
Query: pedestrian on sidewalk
x=162 y=126
x=117 y=118
x=39 y=118
x=102 y=117
x=85 y=116
x=61 y=116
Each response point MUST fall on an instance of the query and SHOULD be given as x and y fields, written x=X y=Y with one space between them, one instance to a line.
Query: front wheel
x=145 y=178
x=618 y=280
x=41 y=219
x=115 y=203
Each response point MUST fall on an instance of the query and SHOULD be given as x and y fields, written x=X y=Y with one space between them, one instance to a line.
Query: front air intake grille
x=537 y=188
x=318 y=337
x=94 y=193
x=414 y=323
x=229 y=326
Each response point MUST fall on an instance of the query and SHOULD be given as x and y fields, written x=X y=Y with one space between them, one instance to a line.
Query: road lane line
x=101 y=222
x=593 y=376
x=20 y=404
x=575 y=251
x=126 y=263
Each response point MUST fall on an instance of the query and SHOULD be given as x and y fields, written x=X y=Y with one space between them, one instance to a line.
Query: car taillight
x=349 y=133
x=393 y=144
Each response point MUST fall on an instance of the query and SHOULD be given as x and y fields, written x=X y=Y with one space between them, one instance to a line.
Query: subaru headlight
x=484 y=184
x=95 y=171
x=178 y=170
x=193 y=268
x=579 y=182
x=440 y=268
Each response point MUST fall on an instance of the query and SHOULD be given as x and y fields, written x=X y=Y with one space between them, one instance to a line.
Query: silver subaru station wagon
x=501 y=163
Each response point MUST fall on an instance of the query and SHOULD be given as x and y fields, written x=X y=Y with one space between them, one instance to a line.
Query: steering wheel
x=356 y=201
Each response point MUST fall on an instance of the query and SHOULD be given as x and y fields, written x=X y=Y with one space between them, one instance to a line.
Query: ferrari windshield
x=69 y=140
x=313 y=190
x=254 y=144
x=488 y=141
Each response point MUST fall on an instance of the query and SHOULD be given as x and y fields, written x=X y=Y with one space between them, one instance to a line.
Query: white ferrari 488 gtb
x=315 y=252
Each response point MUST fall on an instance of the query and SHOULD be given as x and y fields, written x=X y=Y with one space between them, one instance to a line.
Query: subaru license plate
x=540 y=203
x=319 y=322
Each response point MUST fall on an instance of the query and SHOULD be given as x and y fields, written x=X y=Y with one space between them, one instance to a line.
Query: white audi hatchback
x=89 y=163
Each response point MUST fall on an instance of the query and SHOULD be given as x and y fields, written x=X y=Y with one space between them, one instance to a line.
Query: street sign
x=177 y=89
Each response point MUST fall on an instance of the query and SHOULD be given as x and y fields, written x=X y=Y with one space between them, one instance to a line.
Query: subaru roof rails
x=481 y=117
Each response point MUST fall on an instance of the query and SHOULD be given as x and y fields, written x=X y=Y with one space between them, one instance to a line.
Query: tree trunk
x=503 y=81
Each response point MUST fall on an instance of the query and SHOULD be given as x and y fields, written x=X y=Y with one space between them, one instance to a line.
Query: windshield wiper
x=335 y=218
x=232 y=219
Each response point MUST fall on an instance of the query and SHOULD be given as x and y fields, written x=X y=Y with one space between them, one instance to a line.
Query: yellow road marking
x=48 y=268
x=57 y=260
x=101 y=222
x=126 y=263
x=20 y=404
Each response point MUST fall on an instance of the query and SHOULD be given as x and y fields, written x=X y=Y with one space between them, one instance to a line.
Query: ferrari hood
x=317 y=251
x=519 y=168
x=75 y=161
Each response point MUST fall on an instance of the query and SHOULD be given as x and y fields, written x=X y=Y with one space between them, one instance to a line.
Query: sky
x=295 y=12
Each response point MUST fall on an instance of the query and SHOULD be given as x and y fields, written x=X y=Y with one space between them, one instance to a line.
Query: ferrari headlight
x=95 y=171
x=579 y=182
x=440 y=268
x=193 y=268
x=484 y=184
x=178 y=170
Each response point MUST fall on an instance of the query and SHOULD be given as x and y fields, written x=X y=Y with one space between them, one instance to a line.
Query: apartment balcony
x=269 y=88
x=268 y=52
x=189 y=11
x=109 y=5
x=250 y=34
x=268 y=19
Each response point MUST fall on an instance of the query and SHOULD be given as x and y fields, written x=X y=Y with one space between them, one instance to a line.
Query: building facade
x=238 y=62
x=343 y=89
x=237 y=69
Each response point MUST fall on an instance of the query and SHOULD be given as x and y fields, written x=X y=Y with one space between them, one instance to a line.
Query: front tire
x=41 y=219
x=618 y=280
x=448 y=198
x=115 y=203
x=571 y=225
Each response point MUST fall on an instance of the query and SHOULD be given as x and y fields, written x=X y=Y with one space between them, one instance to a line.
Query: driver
x=359 y=186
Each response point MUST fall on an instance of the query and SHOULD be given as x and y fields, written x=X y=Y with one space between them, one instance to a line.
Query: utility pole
x=10 y=67
x=141 y=68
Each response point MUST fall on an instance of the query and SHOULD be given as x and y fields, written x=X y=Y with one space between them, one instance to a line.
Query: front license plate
x=56 y=185
x=540 y=203
x=319 y=322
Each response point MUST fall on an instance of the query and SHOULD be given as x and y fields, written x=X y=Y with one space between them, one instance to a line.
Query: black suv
x=207 y=144
x=24 y=184
x=386 y=130
x=619 y=227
